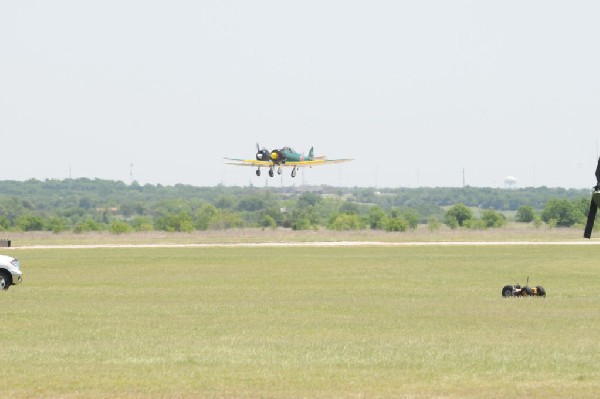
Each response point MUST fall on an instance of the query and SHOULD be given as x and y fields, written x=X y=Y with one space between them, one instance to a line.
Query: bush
x=458 y=213
x=142 y=224
x=563 y=212
x=396 y=224
x=57 y=224
x=346 y=222
x=267 y=221
x=30 y=223
x=86 y=226
x=412 y=217
x=377 y=218
x=225 y=220
x=492 y=218
x=433 y=224
x=452 y=222
x=119 y=227
x=525 y=214
x=171 y=222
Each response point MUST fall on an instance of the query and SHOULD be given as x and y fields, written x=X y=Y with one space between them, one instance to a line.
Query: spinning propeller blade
x=590 y=221
x=587 y=233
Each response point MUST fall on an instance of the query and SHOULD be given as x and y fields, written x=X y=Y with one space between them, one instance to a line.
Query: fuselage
x=283 y=155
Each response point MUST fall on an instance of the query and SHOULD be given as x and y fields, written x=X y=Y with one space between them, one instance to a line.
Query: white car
x=10 y=272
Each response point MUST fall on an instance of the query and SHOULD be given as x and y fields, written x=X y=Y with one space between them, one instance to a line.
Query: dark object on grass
x=517 y=290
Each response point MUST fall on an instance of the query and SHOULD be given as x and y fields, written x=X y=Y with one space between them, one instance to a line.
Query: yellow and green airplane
x=283 y=157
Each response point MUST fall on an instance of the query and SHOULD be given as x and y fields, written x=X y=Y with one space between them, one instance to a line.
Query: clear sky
x=414 y=91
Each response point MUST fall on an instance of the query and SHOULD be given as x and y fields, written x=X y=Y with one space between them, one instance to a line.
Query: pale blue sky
x=415 y=91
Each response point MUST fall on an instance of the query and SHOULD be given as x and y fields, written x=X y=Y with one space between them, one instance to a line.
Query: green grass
x=302 y=322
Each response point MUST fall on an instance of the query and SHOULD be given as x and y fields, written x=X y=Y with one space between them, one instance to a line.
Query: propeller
x=262 y=154
x=587 y=233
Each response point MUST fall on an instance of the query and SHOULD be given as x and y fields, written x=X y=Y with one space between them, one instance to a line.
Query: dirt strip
x=312 y=244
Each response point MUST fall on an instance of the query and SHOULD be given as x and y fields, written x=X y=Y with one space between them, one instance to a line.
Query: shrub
x=460 y=213
x=492 y=218
x=346 y=222
x=119 y=227
x=525 y=214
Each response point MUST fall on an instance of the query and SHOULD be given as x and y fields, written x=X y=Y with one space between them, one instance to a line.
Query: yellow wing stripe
x=314 y=162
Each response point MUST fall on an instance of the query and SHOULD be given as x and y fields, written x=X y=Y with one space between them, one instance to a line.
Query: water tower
x=510 y=182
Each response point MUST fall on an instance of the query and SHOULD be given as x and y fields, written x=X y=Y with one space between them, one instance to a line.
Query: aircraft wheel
x=257 y=172
x=279 y=170
x=527 y=291
x=541 y=291
x=271 y=172
x=294 y=173
x=507 y=291
x=4 y=281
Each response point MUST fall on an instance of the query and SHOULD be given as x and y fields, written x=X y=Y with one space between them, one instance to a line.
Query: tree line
x=83 y=205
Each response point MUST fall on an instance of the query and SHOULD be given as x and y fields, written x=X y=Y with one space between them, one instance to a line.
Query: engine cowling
x=262 y=155
x=278 y=156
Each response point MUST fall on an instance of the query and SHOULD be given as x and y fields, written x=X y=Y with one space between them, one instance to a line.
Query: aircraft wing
x=289 y=164
x=316 y=162
x=248 y=162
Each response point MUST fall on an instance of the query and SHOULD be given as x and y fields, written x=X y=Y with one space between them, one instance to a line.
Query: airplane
x=283 y=157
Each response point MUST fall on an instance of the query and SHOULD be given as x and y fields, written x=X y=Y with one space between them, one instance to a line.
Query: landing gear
x=279 y=171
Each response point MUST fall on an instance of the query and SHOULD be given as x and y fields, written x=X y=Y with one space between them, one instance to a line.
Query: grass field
x=302 y=322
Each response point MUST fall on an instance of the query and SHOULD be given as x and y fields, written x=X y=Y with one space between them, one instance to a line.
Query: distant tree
x=267 y=221
x=142 y=223
x=396 y=224
x=181 y=221
x=119 y=227
x=452 y=222
x=303 y=219
x=433 y=223
x=460 y=213
x=225 y=202
x=525 y=214
x=87 y=225
x=204 y=215
x=412 y=217
x=349 y=208
x=491 y=218
x=130 y=209
x=346 y=221
x=274 y=212
x=30 y=223
x=4 y=223
x=225 y=220
x=85 y=203
x=562 y=213
x=251 y=204
x=377 y=218
x=57 y=224
x=475 y=224
x=308 y=199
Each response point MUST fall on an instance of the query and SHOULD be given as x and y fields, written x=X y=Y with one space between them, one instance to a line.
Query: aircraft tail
x=311 y=153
